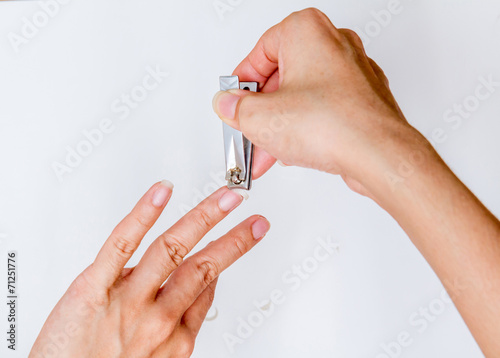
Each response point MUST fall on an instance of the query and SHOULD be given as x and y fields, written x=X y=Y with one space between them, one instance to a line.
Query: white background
x=64 y=80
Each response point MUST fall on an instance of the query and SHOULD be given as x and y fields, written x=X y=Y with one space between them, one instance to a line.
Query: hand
x=324 y=104
x=110 y=311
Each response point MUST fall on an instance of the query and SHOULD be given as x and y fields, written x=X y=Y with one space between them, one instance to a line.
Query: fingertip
x=167 y=183
x=230 y=200
x=260 y=228
x=162 y=193
x=215 y=102
x=225 y=104
x=262 y=162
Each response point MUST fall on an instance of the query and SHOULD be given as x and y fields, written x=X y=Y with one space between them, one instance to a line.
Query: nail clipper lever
x=238 y=149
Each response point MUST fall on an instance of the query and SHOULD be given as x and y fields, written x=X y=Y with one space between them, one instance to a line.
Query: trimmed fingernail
x=230 y=200
x=225 y=104
x=260 y=228
x=162 y=193
x=242 y=192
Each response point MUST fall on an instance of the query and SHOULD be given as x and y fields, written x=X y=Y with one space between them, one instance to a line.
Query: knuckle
x=211 y=294
x=241 y=244
x=208 y=271
x=249 y=112
x=315 y=24
x=123 y=245
x=83 y=287
x=203 y=218
x=311 y=13
x=302 y=19
x=157 y=328
x=141 y=222
x=169 y=320
x=174 y=249
x=379 y=72
x=356 y=38
x=351 y=44
x=311 y=20
x=185 y=347
x=246 y=109
x=352 y=36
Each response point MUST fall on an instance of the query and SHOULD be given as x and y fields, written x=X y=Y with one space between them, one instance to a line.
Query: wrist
x=392 y=162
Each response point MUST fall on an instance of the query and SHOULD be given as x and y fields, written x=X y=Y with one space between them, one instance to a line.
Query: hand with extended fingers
x=156 y=308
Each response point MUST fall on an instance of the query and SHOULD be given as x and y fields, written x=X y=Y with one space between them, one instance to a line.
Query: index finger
x=285 y=41
x=126 y=237
x=259 y=66
x=263 y=60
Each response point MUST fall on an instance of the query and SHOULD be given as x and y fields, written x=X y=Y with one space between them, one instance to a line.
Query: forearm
x=456 y=234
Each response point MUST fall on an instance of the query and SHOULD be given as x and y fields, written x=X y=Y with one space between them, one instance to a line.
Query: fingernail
x=230 y=200
x=162 y=193
x=225 y=104
x=242 y=192
x=281 y=163
x=260 y=228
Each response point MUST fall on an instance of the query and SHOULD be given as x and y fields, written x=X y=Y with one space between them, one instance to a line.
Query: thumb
x=245 y=111
x=264 y=118
x=255 y=114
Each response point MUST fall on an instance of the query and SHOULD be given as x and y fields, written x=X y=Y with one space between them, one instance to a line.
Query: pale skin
x=112 y=311
x=324 y=105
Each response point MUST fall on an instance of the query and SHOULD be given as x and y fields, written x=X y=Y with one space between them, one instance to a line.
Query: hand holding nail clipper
x=324 y=104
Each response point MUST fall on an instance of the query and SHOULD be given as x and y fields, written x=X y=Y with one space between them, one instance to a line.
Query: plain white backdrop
x=62 y=75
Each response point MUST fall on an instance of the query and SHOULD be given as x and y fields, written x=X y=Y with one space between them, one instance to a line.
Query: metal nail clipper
x=238 y=149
